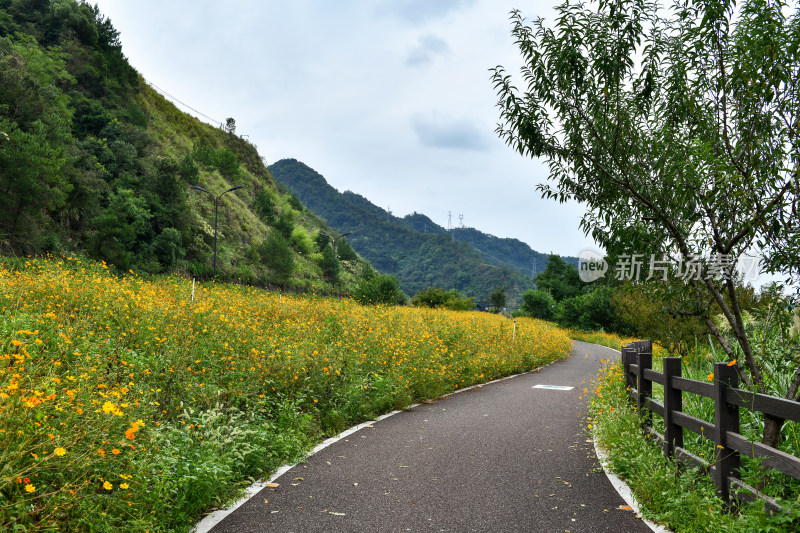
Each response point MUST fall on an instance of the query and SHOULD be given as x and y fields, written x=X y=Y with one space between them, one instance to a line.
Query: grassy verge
x=123 y=405
x=681 y=498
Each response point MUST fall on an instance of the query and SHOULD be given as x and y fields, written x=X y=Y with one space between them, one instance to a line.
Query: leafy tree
x=36 y=122
x=227 y=163
x=264 y=206
x=677 y=127
x=538 y=304
x=434 y=297
x=230 y=125
x=285 y=223
x=559 y=278
x=588 y=311
x=277 y=255
x=120 y=227
x=345 y=251
x=189 y=170
x=498 y=298
x=296 y=204
x=168 y=247
x=328 y=261
x=204 y=154
x=302 y=241
x=379 y=289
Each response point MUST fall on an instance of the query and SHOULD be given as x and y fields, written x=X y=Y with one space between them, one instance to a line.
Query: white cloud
x=428 y=47
x=438 y=131
x=417 y=11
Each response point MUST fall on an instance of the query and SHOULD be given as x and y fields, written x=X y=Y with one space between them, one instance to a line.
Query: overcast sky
x=391 y=99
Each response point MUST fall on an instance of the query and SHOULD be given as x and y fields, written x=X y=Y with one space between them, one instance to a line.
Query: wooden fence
x=637 y=358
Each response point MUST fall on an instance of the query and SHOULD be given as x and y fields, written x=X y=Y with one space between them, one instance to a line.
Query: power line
x=165 y=93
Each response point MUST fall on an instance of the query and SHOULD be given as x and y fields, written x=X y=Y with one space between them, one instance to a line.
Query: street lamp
x=335 y=255
x=216 y=211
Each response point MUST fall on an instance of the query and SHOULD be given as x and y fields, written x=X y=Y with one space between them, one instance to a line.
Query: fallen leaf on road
x=626 y=507
x=336 y=514
x=272 y=485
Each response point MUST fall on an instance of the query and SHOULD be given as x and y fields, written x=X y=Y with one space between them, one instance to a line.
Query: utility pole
x=216 y=212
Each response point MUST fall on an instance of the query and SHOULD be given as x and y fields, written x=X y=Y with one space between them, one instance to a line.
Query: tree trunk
x=772 y=430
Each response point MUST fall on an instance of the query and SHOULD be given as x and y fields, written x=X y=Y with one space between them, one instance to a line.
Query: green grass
x=681 y=498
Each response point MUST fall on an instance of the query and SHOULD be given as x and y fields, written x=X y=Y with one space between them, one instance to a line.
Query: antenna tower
x=450 y=225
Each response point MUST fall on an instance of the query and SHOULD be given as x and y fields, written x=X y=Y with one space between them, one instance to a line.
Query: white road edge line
x=211 y=520
x=624 y=490
x=620 y=486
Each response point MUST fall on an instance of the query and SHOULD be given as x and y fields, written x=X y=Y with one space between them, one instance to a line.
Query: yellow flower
x=29 y=488
x=124 y=486
x=710 y=377
x=107 y=485
x=60 y=451
x=15 y=342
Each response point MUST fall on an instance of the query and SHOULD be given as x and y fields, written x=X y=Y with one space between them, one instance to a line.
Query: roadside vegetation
x=126 y=406
x=681 y=498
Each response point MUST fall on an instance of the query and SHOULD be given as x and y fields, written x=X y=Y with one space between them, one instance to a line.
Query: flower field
x=125 y=405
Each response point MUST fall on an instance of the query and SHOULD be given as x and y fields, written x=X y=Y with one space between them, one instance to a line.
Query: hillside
x=94 y=161
x=420 y=252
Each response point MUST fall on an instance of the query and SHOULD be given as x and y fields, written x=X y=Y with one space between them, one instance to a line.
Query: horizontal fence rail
x=730 y=445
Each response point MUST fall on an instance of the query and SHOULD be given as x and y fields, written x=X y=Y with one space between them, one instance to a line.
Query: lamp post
x=335 y=255
x=216 y=211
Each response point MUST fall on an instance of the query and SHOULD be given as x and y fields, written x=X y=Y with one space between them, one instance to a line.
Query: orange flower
x=115 y=451
x=732 y=363
x=710 y=377
x=101 y=452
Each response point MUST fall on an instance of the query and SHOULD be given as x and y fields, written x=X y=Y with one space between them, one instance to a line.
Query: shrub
x=538 y=304
x=379 y=289
x=435 y=297
x=278 y=257
x=301 y=241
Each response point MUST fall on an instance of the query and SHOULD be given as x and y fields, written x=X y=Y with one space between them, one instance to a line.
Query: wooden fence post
x=726 y=419
x=673 y=403
x=628 y=358
x=644 y=360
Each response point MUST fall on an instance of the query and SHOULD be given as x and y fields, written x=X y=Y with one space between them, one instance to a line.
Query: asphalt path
x=505 y=456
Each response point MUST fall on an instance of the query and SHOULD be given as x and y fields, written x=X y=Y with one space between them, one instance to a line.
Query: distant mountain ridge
x=418 y=251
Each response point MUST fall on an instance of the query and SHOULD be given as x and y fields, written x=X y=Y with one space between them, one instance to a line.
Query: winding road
x=508 y=456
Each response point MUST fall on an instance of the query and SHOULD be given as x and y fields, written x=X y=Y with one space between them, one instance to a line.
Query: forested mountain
x=420 y=252
x=93 y=160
